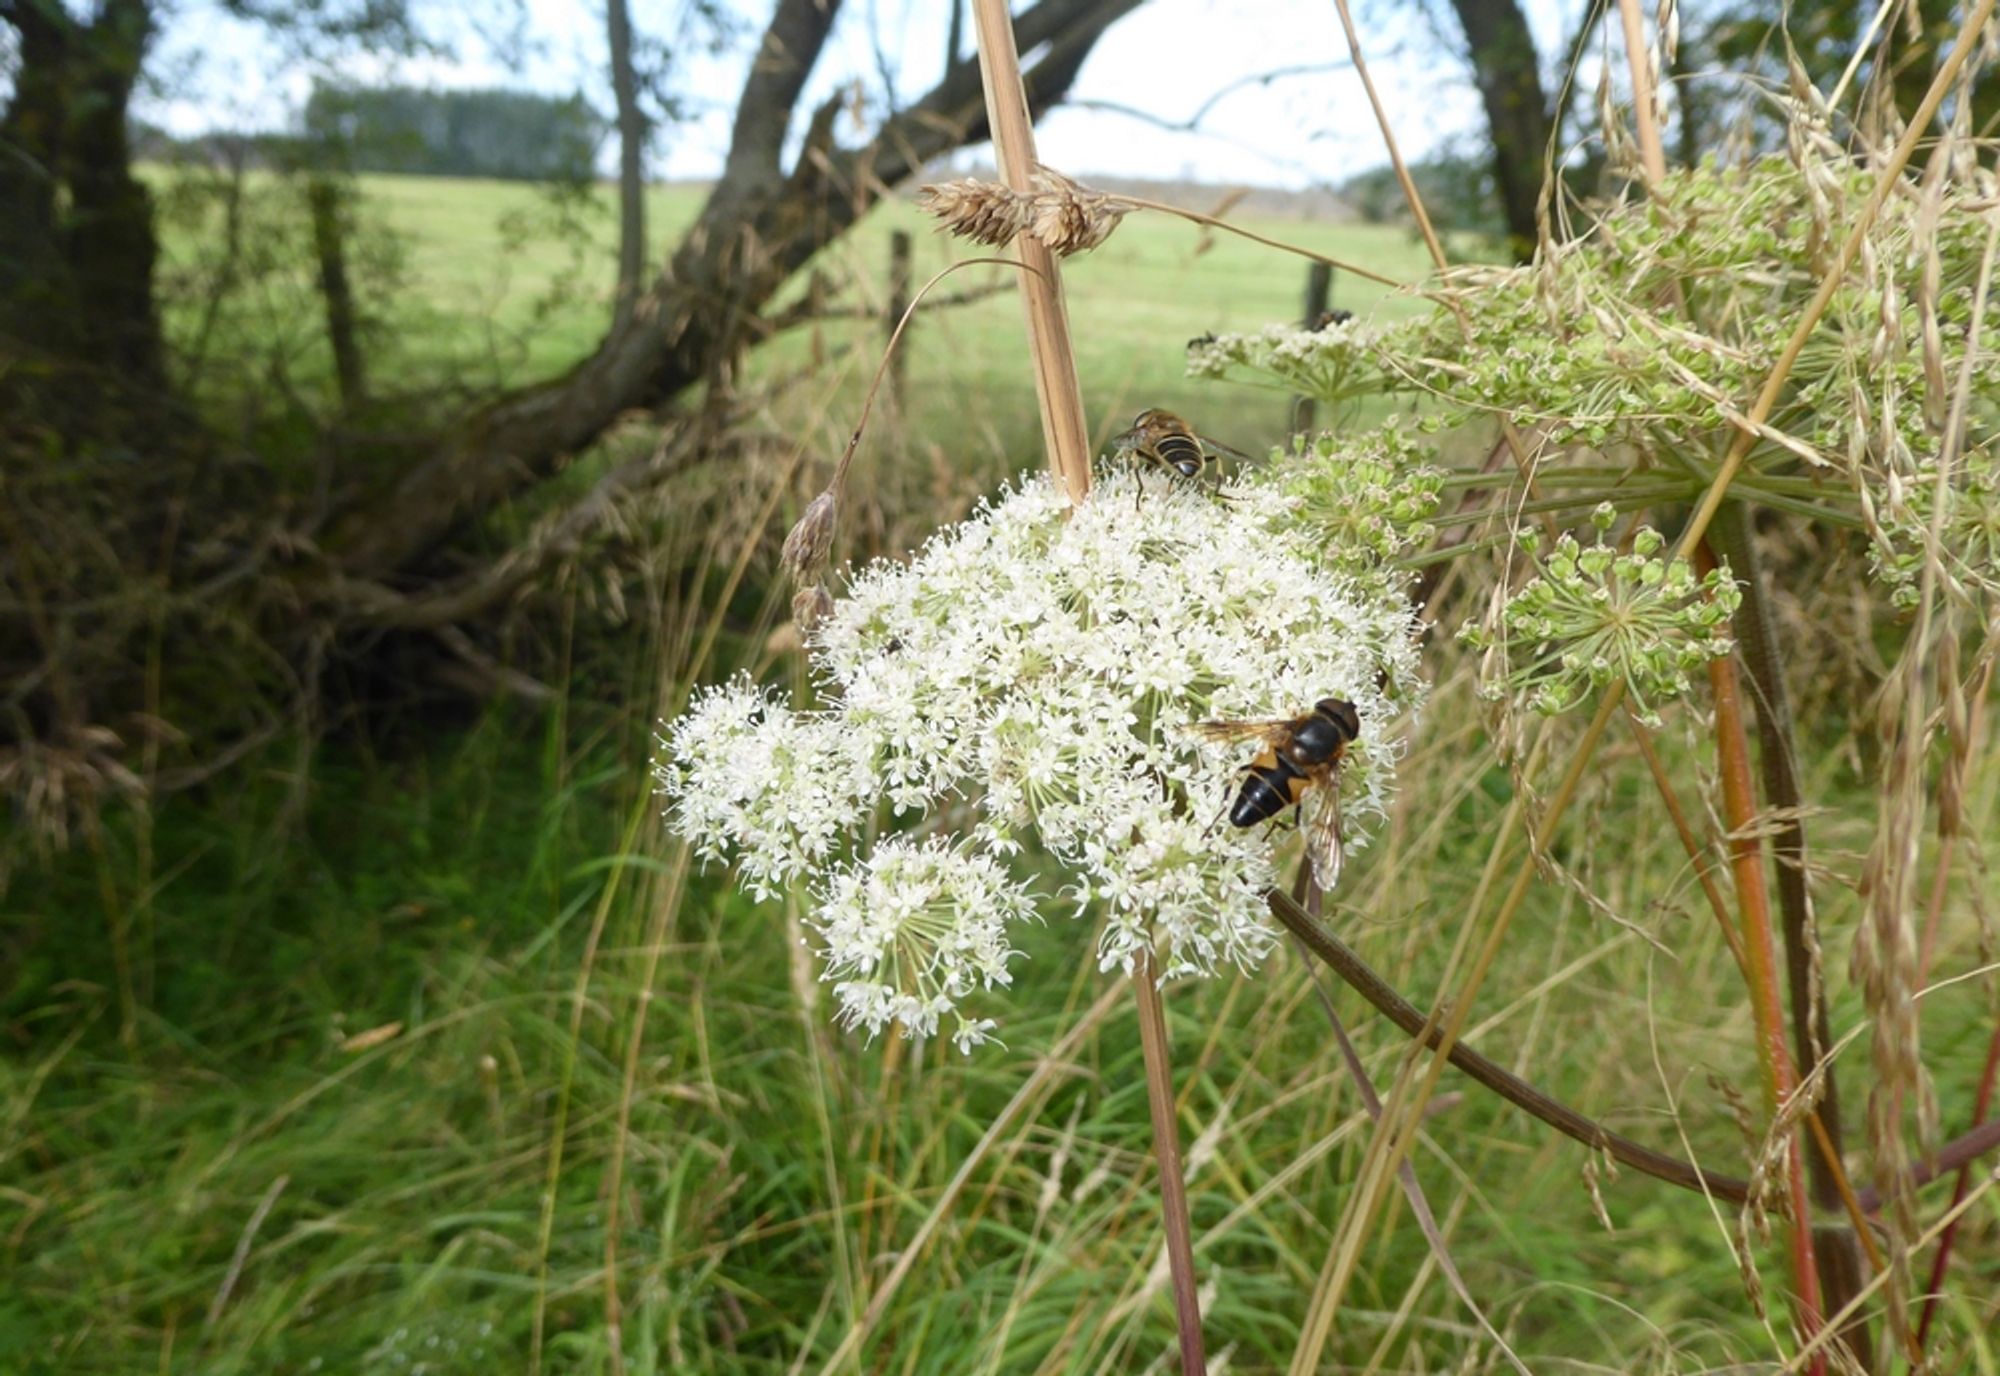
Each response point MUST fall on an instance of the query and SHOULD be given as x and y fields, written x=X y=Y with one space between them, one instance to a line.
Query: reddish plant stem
x=1842 y=1271
x=1982 y=1105
x=1167 y=1152
x=1746 y=857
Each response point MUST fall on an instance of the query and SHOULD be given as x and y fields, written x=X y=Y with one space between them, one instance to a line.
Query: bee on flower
x=1031 y=680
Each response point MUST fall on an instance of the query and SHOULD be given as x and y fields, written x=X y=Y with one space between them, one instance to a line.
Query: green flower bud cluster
x=1594 y=616
x=1969 y=544
x=1362 y=500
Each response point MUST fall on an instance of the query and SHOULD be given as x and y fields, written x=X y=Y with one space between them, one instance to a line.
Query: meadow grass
x=477 y=283
x=773 y=1168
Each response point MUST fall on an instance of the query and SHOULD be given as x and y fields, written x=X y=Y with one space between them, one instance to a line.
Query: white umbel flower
x=1031 y=675
x=913 y=929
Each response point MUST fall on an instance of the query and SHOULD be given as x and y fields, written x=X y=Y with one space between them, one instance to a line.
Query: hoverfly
x=1300 y=757
x=1335 y=316
x=1160 y=439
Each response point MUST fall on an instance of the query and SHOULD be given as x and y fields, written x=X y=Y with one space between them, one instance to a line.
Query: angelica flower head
x=1029 y=679
x=1331 y=363
x=1594 y=615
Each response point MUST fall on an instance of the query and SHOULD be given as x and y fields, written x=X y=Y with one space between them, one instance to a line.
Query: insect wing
x=1272 y=733
x=1325 y=850
x=1231 y=451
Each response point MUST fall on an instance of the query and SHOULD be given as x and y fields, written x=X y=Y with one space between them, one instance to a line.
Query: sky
x=1165 y=60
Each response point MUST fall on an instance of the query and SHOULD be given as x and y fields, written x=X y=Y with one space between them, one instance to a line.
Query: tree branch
x=1343 y=961
x=785 y=57
x=758 y=228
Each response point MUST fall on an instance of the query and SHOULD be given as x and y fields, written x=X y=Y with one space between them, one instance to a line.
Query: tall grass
x=774 y=1172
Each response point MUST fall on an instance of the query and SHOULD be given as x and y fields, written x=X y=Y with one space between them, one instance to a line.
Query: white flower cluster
x=1331 y=363
x=1031 y=675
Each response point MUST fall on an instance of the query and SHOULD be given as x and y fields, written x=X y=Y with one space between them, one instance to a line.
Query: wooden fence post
x=1319 y=291
x=324 y=204
x=899 y=301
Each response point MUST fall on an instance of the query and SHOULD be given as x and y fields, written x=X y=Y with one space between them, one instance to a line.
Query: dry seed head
x=1069 y=218
x=1064 y=216
x=984 y=212
x=810 y=541
x=810 y=606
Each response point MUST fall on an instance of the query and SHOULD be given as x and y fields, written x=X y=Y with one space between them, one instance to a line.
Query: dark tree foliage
x=76 y=240
x=514 y=135
x=1458 y=191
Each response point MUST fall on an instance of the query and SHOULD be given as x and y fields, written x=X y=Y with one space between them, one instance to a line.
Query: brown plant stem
x=1746 y=854
x=889 y=353
x=1982 y=1105
x=1406 y=1174
x=1064 y=432
x=1404 y=1115
x=1403 y=177
x=1757 y=638
x=1167 y=1153
x=1839 y=1321
x=1358 y=975
x=1696 y=852
x=1697 y=855
x=1196 y=217
x=1644 y=114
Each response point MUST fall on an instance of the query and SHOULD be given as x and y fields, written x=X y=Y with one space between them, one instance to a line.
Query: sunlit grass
x=502 y=283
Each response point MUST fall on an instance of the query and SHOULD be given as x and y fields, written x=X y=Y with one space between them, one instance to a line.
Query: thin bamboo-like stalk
x=1403 y=177
x=1645 y=109
x=1064 y=432
x=1167 y=1153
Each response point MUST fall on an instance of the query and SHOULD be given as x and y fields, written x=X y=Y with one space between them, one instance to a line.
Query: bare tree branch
x=760 y=225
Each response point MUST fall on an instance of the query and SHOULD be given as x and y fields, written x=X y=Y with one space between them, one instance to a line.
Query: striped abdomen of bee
x=1182 y=453
x=1163 y=438
x=1280 y=775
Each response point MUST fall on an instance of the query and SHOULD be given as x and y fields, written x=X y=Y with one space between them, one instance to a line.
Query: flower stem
x=1982 y=1105
x=1756 y=626
x=1141 y=203
x=1064 y=431
x=1167 y=1152
x=1746 y=856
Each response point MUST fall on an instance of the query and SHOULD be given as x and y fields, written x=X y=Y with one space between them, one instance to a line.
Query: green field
x=429 y=1055
x=474 y=297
